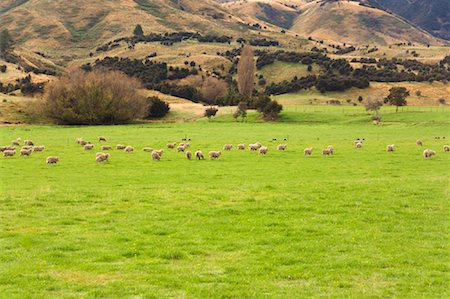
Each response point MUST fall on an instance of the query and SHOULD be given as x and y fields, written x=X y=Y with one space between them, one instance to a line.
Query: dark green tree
x=138 y=31
x=241 y=111
x=397 y=96
x=210 y=112
x=156 y=108
x=6 y=41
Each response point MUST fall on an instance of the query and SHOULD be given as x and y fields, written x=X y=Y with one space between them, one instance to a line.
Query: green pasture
x=360 y=224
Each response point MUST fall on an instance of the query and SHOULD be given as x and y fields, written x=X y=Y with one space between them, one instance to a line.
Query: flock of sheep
x=29 y=147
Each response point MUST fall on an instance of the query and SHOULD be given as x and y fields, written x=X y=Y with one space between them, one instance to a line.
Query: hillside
x=344 y=21
x=56 y=26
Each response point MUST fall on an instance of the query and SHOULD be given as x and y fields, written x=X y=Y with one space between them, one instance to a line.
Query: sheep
x=156 y=155
x=15 y=142
x=39 y=148
x=158 y=152
x=358 y=145
x=241 y=147
x=106 y=147
x=102 y=139
x=28 y=142
x=419 y=142
x=9 y=153
x=282 y=147
x=326 y=152
x=428 y=153
x=3 y=148
x=390 y=148
x=83 y=142
x=181 y=148
x=52 y=160
x=254 y=147
x=120 y=147
x=25 y=152
x=188 y=155
x=308 y=151
x=27 y=147
x=214 y=154
x=186 y=145
x=88 y=147
x=199 y=155
x=227 y=147
x=78 y=140
x=331 y=149
x=446 y=148
x=171 y=145
x=263 y=150
x=7 y=148
x=147 y=149
x=129 y=149
x=101 y=157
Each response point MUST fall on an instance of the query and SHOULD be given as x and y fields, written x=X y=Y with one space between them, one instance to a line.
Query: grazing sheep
x=101 y=157
x=331 y=149
x=39 y=148
x=263 y=150
x=358 y=145
x=181 y=148
x=282 y=147
x=27 y=147
x=15 y=142
x=120 y=147
x=326 y=152
x=254 y=147
x=52 y=160
x=159 y=152
x=419 y=142
x=156 y=155
x=28 y=142
x=106 y=147
x=308 y=151
x=446 y=148
x=25 y=152
x=428 y=153
x=241 y=147
x=79 y=140
x=83 y=142
x=129 y=149
x=88 y=147
x=227 y=147
x=102 y=139
x=2 y=148
x=186 y=145
x=214 y=154
x=9 y=153
x=147 y=149
x=171 y=145
x=188 y=155
x=390 y=148
x=199 y=155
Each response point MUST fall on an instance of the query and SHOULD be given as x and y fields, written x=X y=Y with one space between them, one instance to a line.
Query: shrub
x=93 y=98
x=156 y=108
x=3 y=68
x=210 y=112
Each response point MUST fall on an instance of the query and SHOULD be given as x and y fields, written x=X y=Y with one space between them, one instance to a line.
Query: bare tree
x=245 y=71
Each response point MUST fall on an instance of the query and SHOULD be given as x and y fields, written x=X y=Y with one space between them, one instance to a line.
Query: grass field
x=359 y=224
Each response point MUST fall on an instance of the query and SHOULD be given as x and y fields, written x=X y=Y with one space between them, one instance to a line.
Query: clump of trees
x=210 y=112
x=157 y=108
x=6 y=42
x=93 y=98
x=397 y=96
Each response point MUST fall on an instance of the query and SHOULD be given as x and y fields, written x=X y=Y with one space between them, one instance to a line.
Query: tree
x=138 y=31
x=93 y=98
x=210 y=112
x=360 y=99
x=397 y=96
x=156 y=108
x=272 y=110
x=246 y=71
x=6 y=41
x=241 y=111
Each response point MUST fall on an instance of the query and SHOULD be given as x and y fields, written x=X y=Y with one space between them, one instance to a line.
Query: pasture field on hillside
x=360 y=224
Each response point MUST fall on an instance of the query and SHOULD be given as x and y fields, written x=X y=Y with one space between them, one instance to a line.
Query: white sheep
x=331 y=149
x=214 y=154
x=326 y=152
x=156 y=155
x=52 y=160
x=227 y=147
x=88 y=147
x=106 y=147
x=101 y=157
x=147 y=149
x=39 y=148
x=282 y=147
x=446 y=148
x=26 y=152
x=9 y=153
x=102 y=138
x=28 y=142
x=129 y=149
x=241 y=147
x=181 y=148
x=199 y=155
x=120 y=147
x=171 y=145
x=263 y=150
x=308 y=151
x=358 y=145
x=15 y=142
x=428 y=153
x=390 y=147
x=188 y=155
x=419 y=142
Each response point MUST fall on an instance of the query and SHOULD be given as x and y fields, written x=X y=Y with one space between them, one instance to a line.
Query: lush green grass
x=359 y=224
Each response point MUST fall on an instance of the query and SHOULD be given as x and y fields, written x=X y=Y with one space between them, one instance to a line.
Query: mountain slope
x=432 y=15
x=82 y=25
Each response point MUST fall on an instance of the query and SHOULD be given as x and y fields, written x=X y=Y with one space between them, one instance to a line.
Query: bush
x=156 y=108
x=3 y=68
x=210 y=112
x=93 y=98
